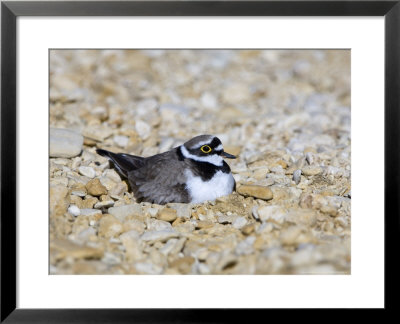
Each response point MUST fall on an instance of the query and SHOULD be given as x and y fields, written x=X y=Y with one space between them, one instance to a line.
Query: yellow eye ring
x=206 y=149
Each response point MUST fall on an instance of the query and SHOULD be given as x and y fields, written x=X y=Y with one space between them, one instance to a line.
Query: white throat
x=213 y=159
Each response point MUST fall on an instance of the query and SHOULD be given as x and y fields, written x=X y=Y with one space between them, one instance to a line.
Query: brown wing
x=161 y=180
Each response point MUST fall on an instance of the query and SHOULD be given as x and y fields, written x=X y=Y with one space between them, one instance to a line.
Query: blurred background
x=163 y=97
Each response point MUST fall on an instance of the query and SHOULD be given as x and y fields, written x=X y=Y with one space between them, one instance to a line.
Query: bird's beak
x=227 y=155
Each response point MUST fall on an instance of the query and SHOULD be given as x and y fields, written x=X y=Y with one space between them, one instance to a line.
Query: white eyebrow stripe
x=219 y=148
x=200 y=144
x=213 y=159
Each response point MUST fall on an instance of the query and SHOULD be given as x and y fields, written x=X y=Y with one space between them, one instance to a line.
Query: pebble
x=74 y=210
x=309 y=158
x=226 y=219
x=148 y=268
x=89 y=202
x=87 y=171
x=183 y=265
x=58 y=200
x=297 y=176
x=245 y=247
x=311 y=170
x=152 y=211
x=97 y=132
x=87 y=235
x=110 y=226
x=248 y=229
x=65 y=143
x=236 y=93
x=255 y=191
x=239 y=222
x=143 y=129
x=134 y=224
x=163 y=235
x=126 y=211
x=254 y=212
x=182 y=210
x=130 y=241
x=95 y=188
x=90 y=212
x=158 y=225
x=167 y=214
x=79 y=192
x=272 y=213
x=104 y=204
x=167 y=248
x=208 y=100
x=62 y=249
x=121 y=141
x=166 y=144
x=260 y=173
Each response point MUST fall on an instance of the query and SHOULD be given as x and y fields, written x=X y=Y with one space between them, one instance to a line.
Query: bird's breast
x=221 y=184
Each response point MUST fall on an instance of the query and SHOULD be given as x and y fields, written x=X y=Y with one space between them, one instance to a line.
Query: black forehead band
x=215 y=142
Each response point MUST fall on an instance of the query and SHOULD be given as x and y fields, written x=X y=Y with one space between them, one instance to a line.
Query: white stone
x=208 y=100
x=122 y=212
x=87 y=171
x=162 y=235
x=239 y=222
x=246 y=246
x=143 y=129
x=121 y=141
x=297 y=176
x=80 y=193
x=146 y=106
x=272 y=212
x=158 y=225
x=148 y=268
x=166 y=144
x=225 y=219
x=65 y=143
x=86 y=234
x=168 y=247
x=182 y=210
x=97 y=132
x=112 y=174
x=152 y=212
x=90 y=212
x=104 y=204
x=74 y=210
x=254 y=212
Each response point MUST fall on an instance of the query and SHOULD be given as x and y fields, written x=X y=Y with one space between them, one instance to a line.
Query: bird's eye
x=205 y=149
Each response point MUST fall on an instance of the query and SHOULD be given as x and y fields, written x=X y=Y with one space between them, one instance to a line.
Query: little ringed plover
x=191 y=173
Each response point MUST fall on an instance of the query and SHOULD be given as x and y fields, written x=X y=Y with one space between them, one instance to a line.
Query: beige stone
x=130 y=240
x=183 y=264
x=167 y=214
x=59 y=200
x=95 y=188
x=311 y=170
x=248 y=229
x=109 y=226
x=62 y=249
x=88 y=202
x=255 y=191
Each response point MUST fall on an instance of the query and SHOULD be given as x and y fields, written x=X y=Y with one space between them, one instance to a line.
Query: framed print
x=181 y=156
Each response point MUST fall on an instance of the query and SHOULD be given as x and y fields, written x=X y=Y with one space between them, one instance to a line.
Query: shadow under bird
x=191 y=173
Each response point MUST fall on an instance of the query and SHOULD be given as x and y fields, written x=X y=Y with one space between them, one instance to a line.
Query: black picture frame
x=11 y=10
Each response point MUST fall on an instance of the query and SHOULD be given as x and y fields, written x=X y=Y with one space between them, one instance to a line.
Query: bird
x=193 y=172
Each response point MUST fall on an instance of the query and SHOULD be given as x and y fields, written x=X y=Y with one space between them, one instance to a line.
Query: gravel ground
x=286 y=114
